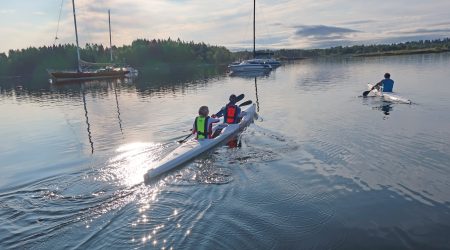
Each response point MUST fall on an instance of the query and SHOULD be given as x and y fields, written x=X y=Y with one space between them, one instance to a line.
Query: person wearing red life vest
x=203 y=124
x=231 y=112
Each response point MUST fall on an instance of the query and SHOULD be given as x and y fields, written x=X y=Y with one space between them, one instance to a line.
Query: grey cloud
x=265 y=41
x=322 y=31
x=358 y=22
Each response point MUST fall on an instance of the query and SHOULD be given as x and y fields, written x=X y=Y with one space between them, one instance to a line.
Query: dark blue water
x=321 y=168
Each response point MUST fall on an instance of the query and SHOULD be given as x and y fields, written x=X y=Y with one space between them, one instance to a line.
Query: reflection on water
x=321 y=170
x=87 y=119
x=386 y=108
x=256 y=95
x=118 y=109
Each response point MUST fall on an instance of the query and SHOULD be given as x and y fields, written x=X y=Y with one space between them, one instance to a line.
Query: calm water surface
x=321 y=168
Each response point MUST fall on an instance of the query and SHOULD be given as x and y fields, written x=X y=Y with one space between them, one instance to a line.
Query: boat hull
x=389 y=96
x=193 y=148
x=61 y=76
x=247 y=67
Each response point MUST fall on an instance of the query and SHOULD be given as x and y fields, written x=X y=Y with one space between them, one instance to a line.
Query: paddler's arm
x=214 y=120
x=220 y=113
x=378 y=84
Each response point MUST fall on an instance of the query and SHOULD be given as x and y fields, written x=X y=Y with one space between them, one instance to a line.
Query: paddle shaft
x=365 y=93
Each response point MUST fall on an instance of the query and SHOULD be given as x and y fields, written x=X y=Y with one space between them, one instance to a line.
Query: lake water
x=321 y=168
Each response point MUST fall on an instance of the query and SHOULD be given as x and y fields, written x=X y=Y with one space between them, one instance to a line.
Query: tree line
x=422 y=46
x=140 y=54
x=161 y=54
x=425 y=46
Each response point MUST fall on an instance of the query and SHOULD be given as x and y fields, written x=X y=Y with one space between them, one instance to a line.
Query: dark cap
x=232 y=98
x=387 y=75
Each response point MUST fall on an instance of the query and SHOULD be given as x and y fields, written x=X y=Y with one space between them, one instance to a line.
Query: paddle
x=240 y=97
x=365 y=93
x=246 y=103
x=182 y=141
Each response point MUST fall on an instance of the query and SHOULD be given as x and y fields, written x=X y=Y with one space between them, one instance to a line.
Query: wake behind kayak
x=193 y=147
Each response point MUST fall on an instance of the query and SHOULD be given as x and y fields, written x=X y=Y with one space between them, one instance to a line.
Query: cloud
x=7 y=11
x=225 y=23
x=357 y=22
x=322 y=31
x=424 y=31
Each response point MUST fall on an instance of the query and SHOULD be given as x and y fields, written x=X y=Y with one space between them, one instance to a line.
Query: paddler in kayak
x=203 y=124
x=231 y=112
x=232 y=115
x=387 y=84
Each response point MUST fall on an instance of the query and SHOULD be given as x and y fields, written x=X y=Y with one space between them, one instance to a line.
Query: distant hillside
x=422 y=46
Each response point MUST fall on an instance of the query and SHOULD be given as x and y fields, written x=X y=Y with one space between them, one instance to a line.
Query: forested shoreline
x=162 y=54
x=141 y=54
x=413 y=47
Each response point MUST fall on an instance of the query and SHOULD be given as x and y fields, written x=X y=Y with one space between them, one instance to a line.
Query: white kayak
x=389 y=96
x=193 y=147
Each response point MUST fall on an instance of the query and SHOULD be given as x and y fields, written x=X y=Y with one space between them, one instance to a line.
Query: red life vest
x=230 y=114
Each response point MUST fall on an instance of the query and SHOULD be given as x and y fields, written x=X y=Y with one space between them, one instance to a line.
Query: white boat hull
x=249 y=67
x=389 y=96
x=193 y=148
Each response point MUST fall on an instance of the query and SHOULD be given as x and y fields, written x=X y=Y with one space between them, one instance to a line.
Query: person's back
x=387 y=83
x=230 y=112
x=203 y=124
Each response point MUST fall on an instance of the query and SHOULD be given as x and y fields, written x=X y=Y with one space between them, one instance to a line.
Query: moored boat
x=193 y=147
x=253 y=64
x=249 y=66
x=63 y=76
x=80 y=74
x=270 y=61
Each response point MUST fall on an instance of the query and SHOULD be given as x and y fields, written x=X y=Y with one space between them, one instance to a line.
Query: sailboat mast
x=110 y=42
x=76 y=35
x=254 y=34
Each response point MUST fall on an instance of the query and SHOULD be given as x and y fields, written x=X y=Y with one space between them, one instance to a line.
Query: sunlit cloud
x=279 y=24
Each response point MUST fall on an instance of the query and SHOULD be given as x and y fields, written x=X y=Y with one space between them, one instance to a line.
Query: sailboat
x=252 y=65
x=79 y=74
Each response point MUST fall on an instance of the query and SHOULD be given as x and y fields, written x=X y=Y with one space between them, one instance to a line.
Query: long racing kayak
x=193 y=147
x=389 y=96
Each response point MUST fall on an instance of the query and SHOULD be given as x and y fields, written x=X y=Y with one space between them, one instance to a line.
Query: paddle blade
x=365 y=93
x=240 y=97
x=181 y=141
x=245 y=103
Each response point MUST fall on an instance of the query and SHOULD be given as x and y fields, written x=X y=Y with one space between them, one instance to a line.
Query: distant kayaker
x=203 y=123
x=387 y=84
x=231 y=111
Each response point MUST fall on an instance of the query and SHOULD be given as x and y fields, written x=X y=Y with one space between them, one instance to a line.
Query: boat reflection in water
x=386 y=108
x=249 y=74
x=86 y=87
x=235 y=142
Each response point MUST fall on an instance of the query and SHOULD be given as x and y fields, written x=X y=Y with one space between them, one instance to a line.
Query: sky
x=279 y=23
